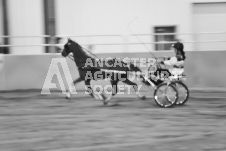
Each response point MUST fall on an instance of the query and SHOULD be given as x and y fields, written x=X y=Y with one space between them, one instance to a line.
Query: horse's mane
x=77 y=46
x=86 y=53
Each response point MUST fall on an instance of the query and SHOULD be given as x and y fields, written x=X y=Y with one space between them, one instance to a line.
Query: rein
x=128 y=27
x=89 y=52
x=71 y=57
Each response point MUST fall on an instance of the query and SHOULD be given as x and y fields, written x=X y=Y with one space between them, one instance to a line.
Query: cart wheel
x=183 y=92
x=165 y=95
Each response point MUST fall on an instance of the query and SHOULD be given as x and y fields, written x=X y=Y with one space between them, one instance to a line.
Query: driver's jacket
x=176 y=65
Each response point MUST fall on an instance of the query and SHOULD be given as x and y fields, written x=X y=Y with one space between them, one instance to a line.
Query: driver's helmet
x=178 y=45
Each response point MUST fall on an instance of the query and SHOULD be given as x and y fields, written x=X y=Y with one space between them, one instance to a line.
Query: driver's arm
x=180 y=63
x=171 y=61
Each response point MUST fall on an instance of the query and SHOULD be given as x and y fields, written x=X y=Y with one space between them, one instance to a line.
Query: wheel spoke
x=183 y=93
x=165 y=95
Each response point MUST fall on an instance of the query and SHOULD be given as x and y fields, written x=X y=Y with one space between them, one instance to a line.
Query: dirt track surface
x=32 y=123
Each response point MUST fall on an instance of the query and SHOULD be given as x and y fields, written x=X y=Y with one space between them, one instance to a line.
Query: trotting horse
x=84 y=63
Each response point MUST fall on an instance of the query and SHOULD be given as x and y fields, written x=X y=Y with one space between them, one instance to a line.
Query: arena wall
x=19 y=72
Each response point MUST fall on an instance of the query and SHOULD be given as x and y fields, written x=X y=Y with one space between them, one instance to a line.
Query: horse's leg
x=114 y=89
x=88 y=87
x=114 y=84
x=68 y=95
x=77 y=80
x=135 y=86
x=96 y=96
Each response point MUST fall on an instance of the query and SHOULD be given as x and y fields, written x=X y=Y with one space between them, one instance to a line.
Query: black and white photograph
x=112 y=75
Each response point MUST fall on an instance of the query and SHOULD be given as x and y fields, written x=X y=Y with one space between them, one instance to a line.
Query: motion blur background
x=32 y=32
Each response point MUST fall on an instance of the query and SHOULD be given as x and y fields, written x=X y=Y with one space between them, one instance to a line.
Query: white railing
x=31 y=36
x=124 y=39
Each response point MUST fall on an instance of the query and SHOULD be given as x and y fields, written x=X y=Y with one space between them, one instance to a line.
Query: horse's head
x=67 y=48
x=75 y=48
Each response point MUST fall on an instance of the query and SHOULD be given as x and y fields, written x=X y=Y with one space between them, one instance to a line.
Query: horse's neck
x=79 y=54
x=80 y=58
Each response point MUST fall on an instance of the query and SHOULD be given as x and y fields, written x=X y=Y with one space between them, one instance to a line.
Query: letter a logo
x=54 y=70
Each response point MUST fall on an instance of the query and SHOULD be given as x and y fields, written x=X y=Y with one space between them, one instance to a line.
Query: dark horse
x=89 y=65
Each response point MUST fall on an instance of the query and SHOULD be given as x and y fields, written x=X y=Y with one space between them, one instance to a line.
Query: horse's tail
x=132 y=67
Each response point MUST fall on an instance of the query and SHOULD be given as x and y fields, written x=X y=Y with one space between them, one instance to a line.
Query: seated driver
x=176 y=62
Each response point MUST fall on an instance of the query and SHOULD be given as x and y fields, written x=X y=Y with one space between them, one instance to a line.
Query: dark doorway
x=161 y=37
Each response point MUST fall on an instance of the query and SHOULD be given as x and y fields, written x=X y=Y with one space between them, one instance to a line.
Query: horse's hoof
x=103 y=96
x=68 y=96
x=105 y=102
x=143 y=98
